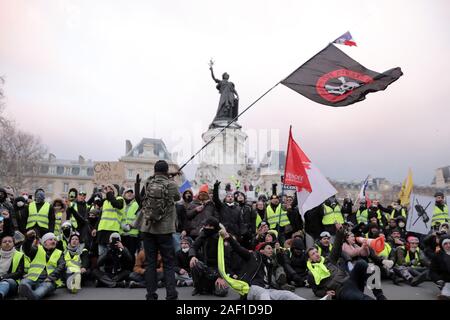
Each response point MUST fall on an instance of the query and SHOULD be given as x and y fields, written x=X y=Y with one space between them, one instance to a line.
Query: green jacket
x=167 y=223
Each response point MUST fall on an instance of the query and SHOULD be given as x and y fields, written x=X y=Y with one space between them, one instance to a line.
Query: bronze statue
x=229 y=98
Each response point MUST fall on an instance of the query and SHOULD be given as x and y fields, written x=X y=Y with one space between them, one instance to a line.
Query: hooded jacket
x=295 y=264
x=181 y=208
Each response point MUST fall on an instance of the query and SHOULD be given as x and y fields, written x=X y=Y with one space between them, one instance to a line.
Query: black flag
x=333 y=78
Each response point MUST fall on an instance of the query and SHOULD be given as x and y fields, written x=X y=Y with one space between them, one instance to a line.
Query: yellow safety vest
x=278 y=216
x=73 y=221
x=416 y=257
x=73 y=264
x=16 y=261
x=128 y=213
x=331 y=216
x=111 y=217
x=386 y=251
x=258 y=220
x=402 y=212
x=440 y=216
x=58 y=218
x=319 y=270
x=40 y=262
x=40 y=218
x=362 y=216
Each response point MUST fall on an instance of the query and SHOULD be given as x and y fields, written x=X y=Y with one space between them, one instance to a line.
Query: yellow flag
x=406 y=189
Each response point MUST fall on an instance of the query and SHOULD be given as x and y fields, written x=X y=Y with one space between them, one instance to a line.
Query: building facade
x=57 y=176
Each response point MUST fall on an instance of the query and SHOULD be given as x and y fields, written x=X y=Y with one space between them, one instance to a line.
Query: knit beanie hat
x=48 y=236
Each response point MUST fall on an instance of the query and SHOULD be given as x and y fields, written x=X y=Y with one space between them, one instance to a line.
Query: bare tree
x=19 y=151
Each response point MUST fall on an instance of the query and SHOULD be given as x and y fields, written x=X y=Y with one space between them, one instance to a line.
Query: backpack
x=156 y=201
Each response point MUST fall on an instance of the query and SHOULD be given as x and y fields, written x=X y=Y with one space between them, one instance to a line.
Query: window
x=130 y=173
x=50 y=187
x=75 y=171
x=59 y=170
x=52 y=170
x=90 y=172
x=44 y=169
x=66 y=187
x=67 y=171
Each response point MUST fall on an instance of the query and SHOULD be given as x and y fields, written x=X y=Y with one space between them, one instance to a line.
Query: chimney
x=128 y=146
x=80 y=159
x=51 y=157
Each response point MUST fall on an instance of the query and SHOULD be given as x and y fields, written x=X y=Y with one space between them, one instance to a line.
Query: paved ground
x=426 y=291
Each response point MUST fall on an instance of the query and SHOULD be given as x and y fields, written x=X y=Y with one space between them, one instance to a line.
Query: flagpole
x=223 y=129
x=282 y=182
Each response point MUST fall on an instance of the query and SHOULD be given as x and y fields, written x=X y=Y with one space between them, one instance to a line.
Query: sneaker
x=121 y=284
x=180 y=283
x=282 y=279
x=26 y=292
x=152 y=296
x=160 y=284
x=195 y=292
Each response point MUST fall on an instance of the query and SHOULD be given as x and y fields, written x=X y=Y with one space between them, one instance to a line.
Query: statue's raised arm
x=211 y=63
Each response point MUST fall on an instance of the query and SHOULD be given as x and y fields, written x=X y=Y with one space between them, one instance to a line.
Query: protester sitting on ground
x=323 y=245
x=401 y=225
x=46 y=269
x=203 y=261
x=353 y=249
x=12 y=267
x=296 y=235
x=260 y=236
x=59 y=209
x=395 y=240
x=63 y=238
x=258 y=270
x=114 y=266
x=390 y=227
x=411 y=263
x=182 y=268
x=77 y=263
x=326 y=278
x=295 y=263
x=137 y=277
x=440 y=268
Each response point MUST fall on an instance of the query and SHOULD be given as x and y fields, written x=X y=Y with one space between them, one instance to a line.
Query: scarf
x=78 y=250
x=6 y=260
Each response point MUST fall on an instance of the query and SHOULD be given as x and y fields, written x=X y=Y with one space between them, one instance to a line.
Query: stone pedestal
x=224 y=157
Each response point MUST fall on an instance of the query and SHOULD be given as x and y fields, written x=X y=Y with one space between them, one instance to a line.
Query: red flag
x=295 y=171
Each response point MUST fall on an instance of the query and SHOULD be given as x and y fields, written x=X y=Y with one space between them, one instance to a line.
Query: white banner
x=420 y=214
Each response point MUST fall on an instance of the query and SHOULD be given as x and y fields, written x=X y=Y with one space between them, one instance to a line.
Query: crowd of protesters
x=152 y=236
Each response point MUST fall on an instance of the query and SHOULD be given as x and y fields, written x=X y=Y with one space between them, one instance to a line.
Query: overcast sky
x=87 y=75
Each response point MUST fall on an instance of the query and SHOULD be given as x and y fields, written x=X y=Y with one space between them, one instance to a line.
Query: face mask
x=20 y=204
x=66 y=232
x=412 y=249
x=401 y=224
x=185 y=250
x=40 y=197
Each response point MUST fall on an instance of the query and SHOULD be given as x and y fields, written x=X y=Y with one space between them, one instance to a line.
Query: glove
x=388 y=264
x=217 y=183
